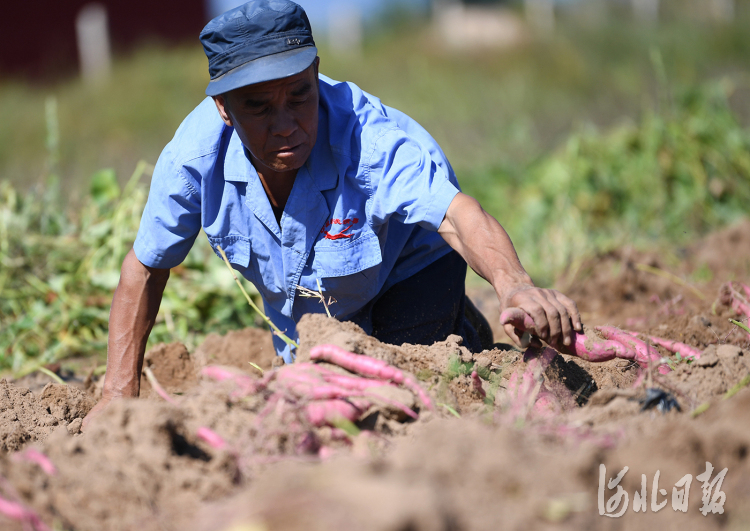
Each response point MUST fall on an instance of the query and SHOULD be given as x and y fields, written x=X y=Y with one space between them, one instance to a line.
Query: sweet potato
x=686 y=351
x=362 y=385
x=597 y=350
x=476 y=383
x=370 y=367
x=16 y=511
x=354 y=383
x=323 y=412
x=529 y=395
x=644 y=353
x=585 y=347
x=35 y=456
x=210 y=437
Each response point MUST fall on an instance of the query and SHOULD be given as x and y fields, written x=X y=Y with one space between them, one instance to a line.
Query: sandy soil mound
x=639 y=289
x=493 y=465
x=137 y=469
x=481 y=477
x=173 y=367
x=25 y=417
x=237 y=349
x=229 y=454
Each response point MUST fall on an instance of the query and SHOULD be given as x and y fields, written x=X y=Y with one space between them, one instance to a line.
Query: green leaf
x=737 y=388
x=741 y=325
x=346 y=425
x=104 y=187
x=105 y=279
x=450 y=410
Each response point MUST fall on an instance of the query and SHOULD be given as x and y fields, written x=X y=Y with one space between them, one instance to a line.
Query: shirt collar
x=237 y=165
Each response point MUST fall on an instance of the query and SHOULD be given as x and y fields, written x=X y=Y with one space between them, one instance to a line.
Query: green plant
x=450 y=410
x=740 y=325
x=59 y=267
x=677 y=359
x=737 y=388
x=457 y=368
x=680 y=171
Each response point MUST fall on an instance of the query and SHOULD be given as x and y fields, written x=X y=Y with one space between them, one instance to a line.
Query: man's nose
x=283 y=123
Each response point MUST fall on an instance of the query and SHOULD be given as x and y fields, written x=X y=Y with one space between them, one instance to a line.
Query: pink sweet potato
x=644 y=353
x=321 y=392
x=529 y=395
x=313 y=382
x=210 y=437
x=322 y=412
x=157 y=386
x=35 y=456
x=12 y=510
x=519 y=319
x=16 y=511
x=585 y=347
x=546 y=404
x=370 y=367
x=476 y=383
x=686 y=351
x=733 y=298
x=356 y=363
x=597 y=350
x=354 y=383
x=539 y=358
x=362 y=385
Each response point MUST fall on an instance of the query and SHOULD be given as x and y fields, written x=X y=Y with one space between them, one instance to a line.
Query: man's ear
x=222 y=107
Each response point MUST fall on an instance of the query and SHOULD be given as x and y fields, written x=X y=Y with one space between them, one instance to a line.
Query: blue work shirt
x=362 y=215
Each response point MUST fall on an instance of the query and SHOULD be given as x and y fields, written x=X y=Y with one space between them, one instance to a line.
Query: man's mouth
x=287 y=150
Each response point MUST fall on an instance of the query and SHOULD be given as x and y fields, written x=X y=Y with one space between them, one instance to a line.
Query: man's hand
x=556 y=317
x=134 y=309
x=486 y=247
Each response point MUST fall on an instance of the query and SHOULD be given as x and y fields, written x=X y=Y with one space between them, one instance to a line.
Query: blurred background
x=582 y=125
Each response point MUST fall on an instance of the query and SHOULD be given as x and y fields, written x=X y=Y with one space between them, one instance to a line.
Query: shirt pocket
x=237 y=249
x=250 y=259
x=348 y=270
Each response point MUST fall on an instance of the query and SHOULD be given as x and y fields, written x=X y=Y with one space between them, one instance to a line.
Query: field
x=618 y=159
x=218 y=455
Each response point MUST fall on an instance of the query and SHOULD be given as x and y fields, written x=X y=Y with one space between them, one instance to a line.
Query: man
x=300 y=180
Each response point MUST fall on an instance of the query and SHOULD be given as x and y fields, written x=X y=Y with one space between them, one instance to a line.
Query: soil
x=237 y=349
x=26 y=418
x=504 y=463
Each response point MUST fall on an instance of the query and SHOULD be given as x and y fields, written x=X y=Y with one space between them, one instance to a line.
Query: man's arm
x=486 y=247
x=134 y=309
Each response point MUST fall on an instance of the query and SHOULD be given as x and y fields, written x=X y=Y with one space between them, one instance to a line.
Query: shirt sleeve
x=410 y=182
x=172 y=218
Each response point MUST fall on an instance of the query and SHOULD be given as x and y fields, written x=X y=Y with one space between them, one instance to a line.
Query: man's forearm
x=134 y=309
x=486 y=247
x=484 y=244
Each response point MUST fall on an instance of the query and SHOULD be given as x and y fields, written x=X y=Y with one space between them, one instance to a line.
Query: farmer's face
x=277 y=121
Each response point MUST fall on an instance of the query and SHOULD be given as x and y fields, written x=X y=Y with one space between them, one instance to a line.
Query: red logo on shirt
x=346 y=224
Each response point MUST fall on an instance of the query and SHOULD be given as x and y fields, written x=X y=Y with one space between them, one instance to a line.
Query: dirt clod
x=22 y=418
x=65 y=403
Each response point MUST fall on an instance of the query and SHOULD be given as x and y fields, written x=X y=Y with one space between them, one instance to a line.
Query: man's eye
x=299 y=101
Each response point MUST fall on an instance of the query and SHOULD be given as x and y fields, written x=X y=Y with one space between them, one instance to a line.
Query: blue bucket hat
x=259 y=41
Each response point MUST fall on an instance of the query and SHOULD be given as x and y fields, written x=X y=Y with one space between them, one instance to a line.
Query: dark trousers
x=425 y=308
